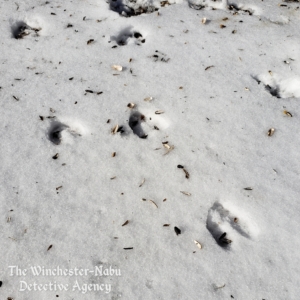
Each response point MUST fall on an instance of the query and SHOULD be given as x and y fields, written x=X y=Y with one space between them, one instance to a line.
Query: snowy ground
x=210 y=145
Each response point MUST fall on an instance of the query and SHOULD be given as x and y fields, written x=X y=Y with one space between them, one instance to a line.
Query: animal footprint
x=224 y=226
x=135 y=123
x=129 y=8
x=159 y=56
x=127 y=35
x=20 y=29
x=59 y=132
x=280 y=87
x=149 y=119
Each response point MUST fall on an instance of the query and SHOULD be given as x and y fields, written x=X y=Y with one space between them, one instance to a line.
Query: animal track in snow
x=129 y=8
x=224 y=226
x=135 y=123
x=126 y=35
x=61 y=132
x=224 y=5
x=142 y=123
x=20 y=29
x=279 y=87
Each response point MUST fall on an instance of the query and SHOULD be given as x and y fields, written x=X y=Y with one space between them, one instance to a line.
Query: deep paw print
x=224 y=226
x=55 y=131
x=20 y=29
x=59 y=132
x=127 y=35
x=159 y=56
x=146 y=121
x=136 y=121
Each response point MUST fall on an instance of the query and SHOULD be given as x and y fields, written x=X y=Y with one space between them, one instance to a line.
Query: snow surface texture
x=195 y=138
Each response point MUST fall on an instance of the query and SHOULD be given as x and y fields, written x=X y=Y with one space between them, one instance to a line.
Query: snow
x=193 y=152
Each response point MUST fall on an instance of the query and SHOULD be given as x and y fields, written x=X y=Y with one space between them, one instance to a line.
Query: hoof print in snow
x=126 y=35
x=159 y=56
x=135 y=123
x=223 y=225
x=55 y=131
x=20 y=29
x=128 y=8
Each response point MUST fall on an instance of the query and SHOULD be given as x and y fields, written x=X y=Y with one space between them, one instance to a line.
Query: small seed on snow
x=203 y=21
x=270 y=72
x=55 y=156
x=113 y=154
x=186 y=193
x=49 y=247
x=198 y=244
x=131 y=105
x=117 y=67
x=126 y=222
x=142 y=182
x=165 y=225
x=271 y=131
x=153 y=203
x=287 y=113
x=168 y=147
x=208 y=68
x=187 y=174
x=148 y=99
x=158 y=112
x=248 y=188
x=115 y=129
